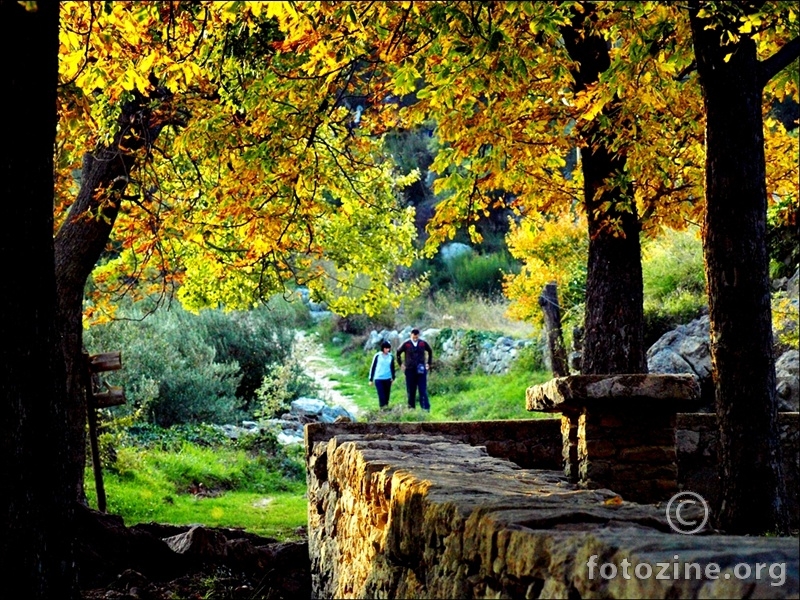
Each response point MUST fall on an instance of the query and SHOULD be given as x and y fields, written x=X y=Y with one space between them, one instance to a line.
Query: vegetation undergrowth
x=194 y=475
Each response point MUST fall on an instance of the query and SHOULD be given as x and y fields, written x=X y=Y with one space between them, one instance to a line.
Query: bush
x=672 y=263
x=184 y=368
x=253 y=340
x=282 y=384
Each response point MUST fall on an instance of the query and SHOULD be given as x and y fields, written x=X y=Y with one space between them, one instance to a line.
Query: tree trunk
x=36 y=548
x=79 y=243
x=614 y=319
x=734 y=244
x=614 y=314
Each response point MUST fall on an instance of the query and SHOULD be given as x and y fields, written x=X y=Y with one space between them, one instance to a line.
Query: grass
x=447 y=309
x=216 y=487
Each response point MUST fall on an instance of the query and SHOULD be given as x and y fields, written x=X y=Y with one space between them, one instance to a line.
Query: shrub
x=281 y=384
x=184 y=368
x=253 y=340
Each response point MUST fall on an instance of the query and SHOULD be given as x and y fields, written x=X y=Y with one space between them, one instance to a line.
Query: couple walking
x=417 y=356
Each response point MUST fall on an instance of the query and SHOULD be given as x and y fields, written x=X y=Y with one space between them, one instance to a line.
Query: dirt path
x=309 y=352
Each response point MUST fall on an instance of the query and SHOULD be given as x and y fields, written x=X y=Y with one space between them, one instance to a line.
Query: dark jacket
x=414 y=356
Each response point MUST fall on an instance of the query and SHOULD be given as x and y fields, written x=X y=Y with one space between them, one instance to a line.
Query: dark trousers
x=417 y=381
x=384 y=389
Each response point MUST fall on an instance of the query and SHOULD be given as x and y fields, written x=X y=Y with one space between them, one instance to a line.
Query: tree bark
x=79 y=243
x=734 y=244
x=614 y=313
x=37 y=508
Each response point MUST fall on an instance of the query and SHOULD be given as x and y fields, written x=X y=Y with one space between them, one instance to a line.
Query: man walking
x=418 y=357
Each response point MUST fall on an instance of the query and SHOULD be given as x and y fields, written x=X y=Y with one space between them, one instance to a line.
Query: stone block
x=645 y=392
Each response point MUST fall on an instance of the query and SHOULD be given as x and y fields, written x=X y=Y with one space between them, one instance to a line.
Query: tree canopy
x=258 y=174
x=270 y=165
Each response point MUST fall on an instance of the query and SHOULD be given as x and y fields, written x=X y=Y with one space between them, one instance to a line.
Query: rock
x=331 y=413
x=376 y=337
x=430 y=335
x=420 y=516
x=198 y=541
x=308 y=407
x=577 y=391
x=320 y=315
x=686 y=349
x=287 y=438
x=793 y=285
x=787 y=374
x=450 y=252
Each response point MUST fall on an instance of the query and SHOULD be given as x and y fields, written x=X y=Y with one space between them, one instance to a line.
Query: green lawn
x=215 y=487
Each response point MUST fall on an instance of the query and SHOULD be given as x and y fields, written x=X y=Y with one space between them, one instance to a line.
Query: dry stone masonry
x=394 y=515
x=618 y=431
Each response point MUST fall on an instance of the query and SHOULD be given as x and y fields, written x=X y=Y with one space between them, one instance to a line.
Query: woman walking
x=382 y=373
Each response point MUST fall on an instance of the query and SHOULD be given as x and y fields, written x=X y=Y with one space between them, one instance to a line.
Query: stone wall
x=529 y=443
x=425 y=516
x=697 y=437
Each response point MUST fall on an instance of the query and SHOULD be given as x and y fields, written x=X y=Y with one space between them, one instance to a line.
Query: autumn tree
x=512 y=89
x=213 y=165
x=36 y=546
x=729 y=39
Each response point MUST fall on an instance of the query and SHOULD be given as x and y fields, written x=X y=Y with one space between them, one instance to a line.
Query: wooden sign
x=113 y=396
x=107 y=361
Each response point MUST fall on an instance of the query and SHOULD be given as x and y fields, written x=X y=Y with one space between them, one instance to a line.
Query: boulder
x=375 y=338
x=450 y=252
x=686 y=349
x=308 y=407
x=330 y=414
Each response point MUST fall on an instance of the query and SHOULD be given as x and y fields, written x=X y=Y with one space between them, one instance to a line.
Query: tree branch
x=777 y=62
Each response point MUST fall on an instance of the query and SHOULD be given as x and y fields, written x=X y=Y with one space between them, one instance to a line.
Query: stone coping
x=471 y=432
x=661 y=392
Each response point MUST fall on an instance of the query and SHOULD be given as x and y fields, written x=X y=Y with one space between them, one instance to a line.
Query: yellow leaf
x=615 y=501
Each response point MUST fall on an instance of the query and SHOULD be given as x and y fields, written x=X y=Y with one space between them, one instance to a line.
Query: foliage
x=674 y=282
x=552 y=250
x=254 y=339
x=673 y=262
x=259 y=176
x=184 y=368
x=785 y=322
x=481 y=274
x=783 y=239
x=446 y=309
x=283 y=383
x=314 y=93
x=467 y=345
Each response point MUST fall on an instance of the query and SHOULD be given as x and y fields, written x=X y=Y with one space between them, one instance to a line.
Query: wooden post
x=548 y=300
x=109 y=361
x=91 y=413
